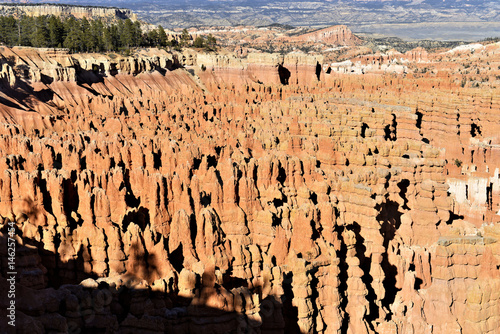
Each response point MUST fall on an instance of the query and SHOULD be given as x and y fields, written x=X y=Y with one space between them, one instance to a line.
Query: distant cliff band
x=67 y=10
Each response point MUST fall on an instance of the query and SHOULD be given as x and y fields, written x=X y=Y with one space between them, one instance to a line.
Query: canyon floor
x=251 y=192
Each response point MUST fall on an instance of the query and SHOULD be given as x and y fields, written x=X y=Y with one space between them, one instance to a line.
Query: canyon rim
x=289 y=180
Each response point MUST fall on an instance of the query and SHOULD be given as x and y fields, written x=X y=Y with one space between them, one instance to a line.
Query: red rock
x=219 y=194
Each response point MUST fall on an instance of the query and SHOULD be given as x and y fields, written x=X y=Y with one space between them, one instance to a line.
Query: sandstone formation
x=190 y=192
x=339 y=35
x=281 y=40
x=67 y=10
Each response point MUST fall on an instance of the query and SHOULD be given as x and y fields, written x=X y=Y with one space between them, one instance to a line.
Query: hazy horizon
x=467 y=20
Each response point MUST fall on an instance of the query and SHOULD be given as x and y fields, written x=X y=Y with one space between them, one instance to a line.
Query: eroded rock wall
x=219 y=197
x=67 y=10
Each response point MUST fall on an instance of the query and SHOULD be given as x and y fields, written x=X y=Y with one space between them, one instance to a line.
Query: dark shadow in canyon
x=365 y=264
x=284 y=75
x=23 y=92
x=403 y=186
x=139 y=216
x=318 y=71
x=390 y=219
x=343 y=276
x=390 y=130
x=364 y=127
x=104 y=308
x=278 y=316
x=475 y=130
x=176 y=258
x=290 y=312
x=9 y=103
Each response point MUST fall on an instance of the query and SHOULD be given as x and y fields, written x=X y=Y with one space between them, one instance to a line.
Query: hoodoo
x=192 y=191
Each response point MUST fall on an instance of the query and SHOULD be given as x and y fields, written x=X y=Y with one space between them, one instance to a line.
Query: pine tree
x=88 y=43
x=162 y=36
x=40 y=35
x=73 y=40
x=185 y=38
x=56 y=31
x=120 y=29
x=137 y=34
x=26 y=27
x=127 y=37
x=211 y=42
x=110 y=38
x=97 y=32
x=78 y=35
x=8 y=30
x=153 y=38
x=199 y=42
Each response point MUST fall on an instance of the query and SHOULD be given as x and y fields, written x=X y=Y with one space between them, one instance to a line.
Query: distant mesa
x=339 y=35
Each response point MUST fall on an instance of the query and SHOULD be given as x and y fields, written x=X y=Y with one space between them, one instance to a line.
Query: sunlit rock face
x=194 y=192
x=110 y=13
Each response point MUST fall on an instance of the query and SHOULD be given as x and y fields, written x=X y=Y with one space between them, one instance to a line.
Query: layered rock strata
x=190 y=192
x=67 y=10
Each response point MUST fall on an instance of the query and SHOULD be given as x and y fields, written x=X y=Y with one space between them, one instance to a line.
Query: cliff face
x=67 y=10
x=264 y=194
x=336 y=35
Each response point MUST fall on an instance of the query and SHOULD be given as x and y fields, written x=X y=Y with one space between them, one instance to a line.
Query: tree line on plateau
x=82 y=35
